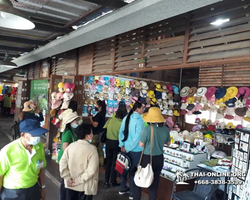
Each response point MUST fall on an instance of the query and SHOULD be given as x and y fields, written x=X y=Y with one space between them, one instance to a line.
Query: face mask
x=74 y=126
x=96 y=109
x=33 y=140
x=90 y=141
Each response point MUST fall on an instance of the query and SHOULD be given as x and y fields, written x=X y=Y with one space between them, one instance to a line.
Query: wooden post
x=114 y=52
x=187 y=32
x=93 y=52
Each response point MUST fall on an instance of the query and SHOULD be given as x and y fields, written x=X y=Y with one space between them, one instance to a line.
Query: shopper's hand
x=70 y=182
x=90 y=116
x=43 y=194
x=77 y=181
x=123 y=149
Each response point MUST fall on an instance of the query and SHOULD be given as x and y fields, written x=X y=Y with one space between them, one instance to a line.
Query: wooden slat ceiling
x=52 y=18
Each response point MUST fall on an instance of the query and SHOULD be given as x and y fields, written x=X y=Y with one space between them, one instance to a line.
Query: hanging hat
x=197 y=120
x=231 y=92
x=158 y=95
x=201 y=91
x=231 y=102
x=176 y=98
x=65 y=105
x=243 y=91
x=210 y=92
x=190 y=107
x=230 y=126
x=153 y=101
x=176 y=89
x=197 y=112
x=220 y=93
x=219 y=116
x=228 y=116
x=184 y=99
x=183 y=112
x=184 y=91
x=56 y=104
x=184 y=106
x=164 y=88
x=170 y=96
x=192 y=91
x=170 y=113
x=151 y=94
x=61 y=87
x=143 y=93
x=69 y=87
x=247 y=104
x=176 y=113
x=137 y=85
x=144 y=85
x=68 y=96
x=153 y=116
x=241 y=111
x=246 y=119
x=220 y=102
x=197 y=99
x=158 y=87
x=211 y=101
x=54 y=96
x=169 y=122
x=205 y=107
x=164 y=96
x=237 y=118
x=204 y=100
x=211 y=128
x=190 y=100
x=151 y=86
x=170 y=88
x=230 y=111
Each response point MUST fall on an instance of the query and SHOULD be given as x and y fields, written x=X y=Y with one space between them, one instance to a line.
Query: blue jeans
x=134 y=157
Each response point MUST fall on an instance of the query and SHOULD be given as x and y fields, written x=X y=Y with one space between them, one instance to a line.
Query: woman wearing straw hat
x=71 y=122
x=160 y=137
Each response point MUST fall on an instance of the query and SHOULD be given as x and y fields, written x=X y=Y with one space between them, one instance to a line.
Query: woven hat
x=153 y=116
x=137 y=85
x=205 y=107
x=164 y=88
x=210 y=92
x=144 y=85
x=184 y=91
x=220 y=93
x=197 y=99
x=192 y=91
x=70 y=117
x=231 y=92
x=201 y=91
x=243 y=91
x=241 y=111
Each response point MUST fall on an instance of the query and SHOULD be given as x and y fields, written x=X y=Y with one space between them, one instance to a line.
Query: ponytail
x=102 y=104
x=136 y=105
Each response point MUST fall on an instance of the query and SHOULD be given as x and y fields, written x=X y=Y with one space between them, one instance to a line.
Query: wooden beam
x=188 y=65
x=186 y=40
x=53 y=29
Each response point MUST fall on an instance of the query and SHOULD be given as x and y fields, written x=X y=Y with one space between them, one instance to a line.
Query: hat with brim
x=231 y=92
x=228 y=116
x=56 y=104
x=158 y=95
x=70 y=117
x=183 y=112
x=164 y=88
x=176 y=113
x=241 y=111
x=205 y=107
x=176 y=89
x=220 y=93
x=184 y=91
x=247 y=104
x=184 y=99
x=243 y=91
x=26 y=106
x=153 y=116
x=32 y=127
x=246 y=119
x=137 y=85
x=237 y=118
x=219 y=116
x=190 y=107
x=210 y=92
x=197 y=112
x=201 y=91
x=192 y=91
x=170 y=88
x=151 y=86
x=144 y=85
x=65 y=105
x=69 y=96
x=231 y=102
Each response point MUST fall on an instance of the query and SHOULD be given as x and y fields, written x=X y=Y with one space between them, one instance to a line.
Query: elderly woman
x=79 y=166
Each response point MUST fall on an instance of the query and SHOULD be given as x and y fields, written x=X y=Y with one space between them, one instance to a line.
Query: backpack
x=123 y=163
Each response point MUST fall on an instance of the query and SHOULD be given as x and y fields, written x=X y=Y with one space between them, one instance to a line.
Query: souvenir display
x=116 y=89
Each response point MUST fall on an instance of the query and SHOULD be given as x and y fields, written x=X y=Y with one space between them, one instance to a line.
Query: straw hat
x=201 y=91
x=153 y=116
x=26 y=106
x=184 y=91
x=192 y=91
x=70 y=117
x=231 y=92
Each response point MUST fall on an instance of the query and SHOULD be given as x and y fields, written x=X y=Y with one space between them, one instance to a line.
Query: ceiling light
x=13 y=18
x=4 y=80
x=7 y=64
x=220 y=21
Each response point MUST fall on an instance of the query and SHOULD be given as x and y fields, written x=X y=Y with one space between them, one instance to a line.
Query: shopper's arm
x=121 y=133
x=138 y=131
x=42 y=183
x=63 y=166
x=92 y=168
x=94 y=123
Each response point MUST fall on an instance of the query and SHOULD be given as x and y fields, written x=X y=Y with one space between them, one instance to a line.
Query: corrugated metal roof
x=52 y=18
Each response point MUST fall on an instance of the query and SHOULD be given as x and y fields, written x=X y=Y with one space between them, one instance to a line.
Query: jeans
x=157 y=164
x=32 y=193
x=134 y=157
x=62 y=191
x=112 y=149
x=75 y=195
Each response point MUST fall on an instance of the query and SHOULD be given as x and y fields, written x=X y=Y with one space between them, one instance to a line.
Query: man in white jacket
x=79 y=166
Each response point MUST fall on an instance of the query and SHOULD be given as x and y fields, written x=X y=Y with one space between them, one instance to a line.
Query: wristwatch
x=43 y=186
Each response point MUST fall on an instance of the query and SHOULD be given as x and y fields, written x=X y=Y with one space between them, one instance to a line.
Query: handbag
x=103 y=135
x=123 y=163
x=144 y=176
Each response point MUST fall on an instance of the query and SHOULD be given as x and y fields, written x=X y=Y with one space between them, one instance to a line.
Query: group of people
x=6 y=104
x=22 y=162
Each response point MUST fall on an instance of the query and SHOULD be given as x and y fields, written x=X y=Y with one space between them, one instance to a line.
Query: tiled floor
x=52 y=178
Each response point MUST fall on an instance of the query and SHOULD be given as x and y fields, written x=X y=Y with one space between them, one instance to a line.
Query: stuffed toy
x=96 y=80
x=112 y=82
x=123 y=83
x=131 y=84
x=118 y=82
x=99 y=88
x=101 y=80
x=127 y=84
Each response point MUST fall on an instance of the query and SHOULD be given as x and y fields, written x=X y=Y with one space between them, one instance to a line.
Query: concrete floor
x=52 y=179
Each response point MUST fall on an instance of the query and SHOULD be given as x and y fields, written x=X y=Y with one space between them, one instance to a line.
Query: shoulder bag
x=144 y=176
x=103 y=135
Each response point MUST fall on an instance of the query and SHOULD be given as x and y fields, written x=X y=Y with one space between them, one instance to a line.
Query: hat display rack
x=230 y=103
x=113 y=89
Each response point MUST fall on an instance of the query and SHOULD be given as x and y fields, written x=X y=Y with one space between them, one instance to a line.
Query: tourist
x=31 y=111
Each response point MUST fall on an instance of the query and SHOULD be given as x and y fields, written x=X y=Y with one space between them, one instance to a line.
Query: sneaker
x=131 y=197
x=122 y=192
